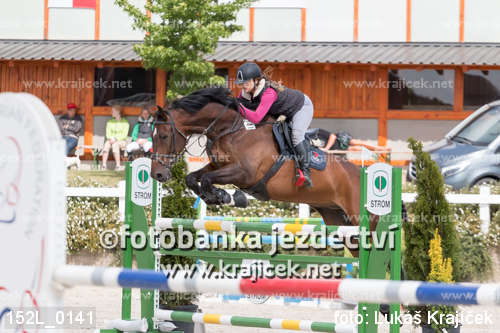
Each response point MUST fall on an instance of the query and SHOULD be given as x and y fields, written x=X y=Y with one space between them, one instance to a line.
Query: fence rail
x=484 y=199
x=101 y=192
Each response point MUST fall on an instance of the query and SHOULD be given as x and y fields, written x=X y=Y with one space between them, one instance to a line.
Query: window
x=482 y=130
x=223 y=72
x=127 y=86
x=427 y=89
x=277 y=24
x=481 y=87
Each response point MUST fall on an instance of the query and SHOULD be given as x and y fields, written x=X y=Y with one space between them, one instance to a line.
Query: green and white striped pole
x=276 y=323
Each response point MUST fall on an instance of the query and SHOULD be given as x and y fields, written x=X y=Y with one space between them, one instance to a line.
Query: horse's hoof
x=240 y=199
x=223 y=197
x=209 y=199
x=192 y=184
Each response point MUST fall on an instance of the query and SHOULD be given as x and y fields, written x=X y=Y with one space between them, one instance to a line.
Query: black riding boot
x=302 y=150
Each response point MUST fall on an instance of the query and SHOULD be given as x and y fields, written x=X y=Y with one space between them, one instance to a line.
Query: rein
x=160 y=158
x=233 y=129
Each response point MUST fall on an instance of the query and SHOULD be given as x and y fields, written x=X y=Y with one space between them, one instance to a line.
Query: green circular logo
x=380 y=183
x=143 y=176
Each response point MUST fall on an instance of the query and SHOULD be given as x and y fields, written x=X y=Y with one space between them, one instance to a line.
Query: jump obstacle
x=266 y=239
x=372 y=264
x=32 y=246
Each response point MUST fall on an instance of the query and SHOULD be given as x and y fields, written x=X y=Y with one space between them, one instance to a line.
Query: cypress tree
x=431 y=212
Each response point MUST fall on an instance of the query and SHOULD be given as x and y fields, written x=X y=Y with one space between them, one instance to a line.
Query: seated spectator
x=116 y=137
x=341 y=141
x=70 y=125
x=142 y=133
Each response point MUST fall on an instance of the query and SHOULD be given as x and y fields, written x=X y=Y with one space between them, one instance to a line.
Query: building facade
x=382 y=70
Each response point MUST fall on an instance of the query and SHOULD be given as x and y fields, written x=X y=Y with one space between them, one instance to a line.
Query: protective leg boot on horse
x=303 y=175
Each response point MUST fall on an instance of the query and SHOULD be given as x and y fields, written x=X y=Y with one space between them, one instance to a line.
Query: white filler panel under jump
x=32 y=209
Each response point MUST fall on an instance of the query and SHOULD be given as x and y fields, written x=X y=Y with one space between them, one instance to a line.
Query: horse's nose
x=162 y=175
x=159 y=176
x=160 y=172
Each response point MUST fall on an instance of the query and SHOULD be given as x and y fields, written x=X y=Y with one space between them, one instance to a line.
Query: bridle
x=173 y=157
x=166 y=160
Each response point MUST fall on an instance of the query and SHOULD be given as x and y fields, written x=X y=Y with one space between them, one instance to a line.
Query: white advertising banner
x=379 y=189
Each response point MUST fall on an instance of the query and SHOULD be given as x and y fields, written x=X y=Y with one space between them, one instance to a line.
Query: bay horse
x=242 y=157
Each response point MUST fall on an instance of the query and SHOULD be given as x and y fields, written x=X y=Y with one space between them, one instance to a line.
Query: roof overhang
x=376 y=53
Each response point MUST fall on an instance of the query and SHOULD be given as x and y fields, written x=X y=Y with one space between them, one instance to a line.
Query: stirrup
x=299 y=178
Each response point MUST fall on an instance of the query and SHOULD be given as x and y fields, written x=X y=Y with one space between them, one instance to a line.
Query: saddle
x=283 y=136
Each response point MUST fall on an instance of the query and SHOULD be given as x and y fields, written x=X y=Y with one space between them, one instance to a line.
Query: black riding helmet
x=247 y=71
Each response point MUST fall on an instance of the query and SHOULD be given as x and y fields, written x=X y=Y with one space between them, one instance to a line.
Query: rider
x=260 y=96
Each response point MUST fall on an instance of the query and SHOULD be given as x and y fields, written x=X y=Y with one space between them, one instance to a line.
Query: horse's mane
x=195 y=101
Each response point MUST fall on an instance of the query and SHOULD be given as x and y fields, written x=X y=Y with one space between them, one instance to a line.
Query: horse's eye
x=163 y=137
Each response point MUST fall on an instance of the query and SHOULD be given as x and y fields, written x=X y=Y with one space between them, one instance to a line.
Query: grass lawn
x=107 y=178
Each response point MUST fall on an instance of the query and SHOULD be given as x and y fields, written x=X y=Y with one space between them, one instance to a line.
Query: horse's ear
x=160 y=114
x=155 y=113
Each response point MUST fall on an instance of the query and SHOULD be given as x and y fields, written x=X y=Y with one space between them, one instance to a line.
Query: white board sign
x=379 y=189
x=142 y=184
x=32 y=206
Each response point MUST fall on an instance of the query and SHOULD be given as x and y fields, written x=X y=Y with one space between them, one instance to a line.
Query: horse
x=242 y=157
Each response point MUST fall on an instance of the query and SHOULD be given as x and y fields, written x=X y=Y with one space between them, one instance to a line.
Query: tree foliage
x=430 y=212
x=178 y=36
x=441 y=271
x=441 y=268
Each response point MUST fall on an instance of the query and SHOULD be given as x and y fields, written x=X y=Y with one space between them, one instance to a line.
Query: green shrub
x=474 y=247
x=257 y=208
x=493 y=238
x=178 y=203
x=441 y=271
x=430 y=211
x=88 y=218
x=476 y=261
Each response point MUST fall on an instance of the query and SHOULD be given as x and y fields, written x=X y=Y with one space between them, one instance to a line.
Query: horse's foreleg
x=229 y=174
x=193 y=179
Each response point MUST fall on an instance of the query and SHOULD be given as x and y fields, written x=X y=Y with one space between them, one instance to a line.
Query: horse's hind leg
x=336 y=216
x=333 y=215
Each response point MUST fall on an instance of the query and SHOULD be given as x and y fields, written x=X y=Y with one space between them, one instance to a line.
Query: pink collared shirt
x=269 y=96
